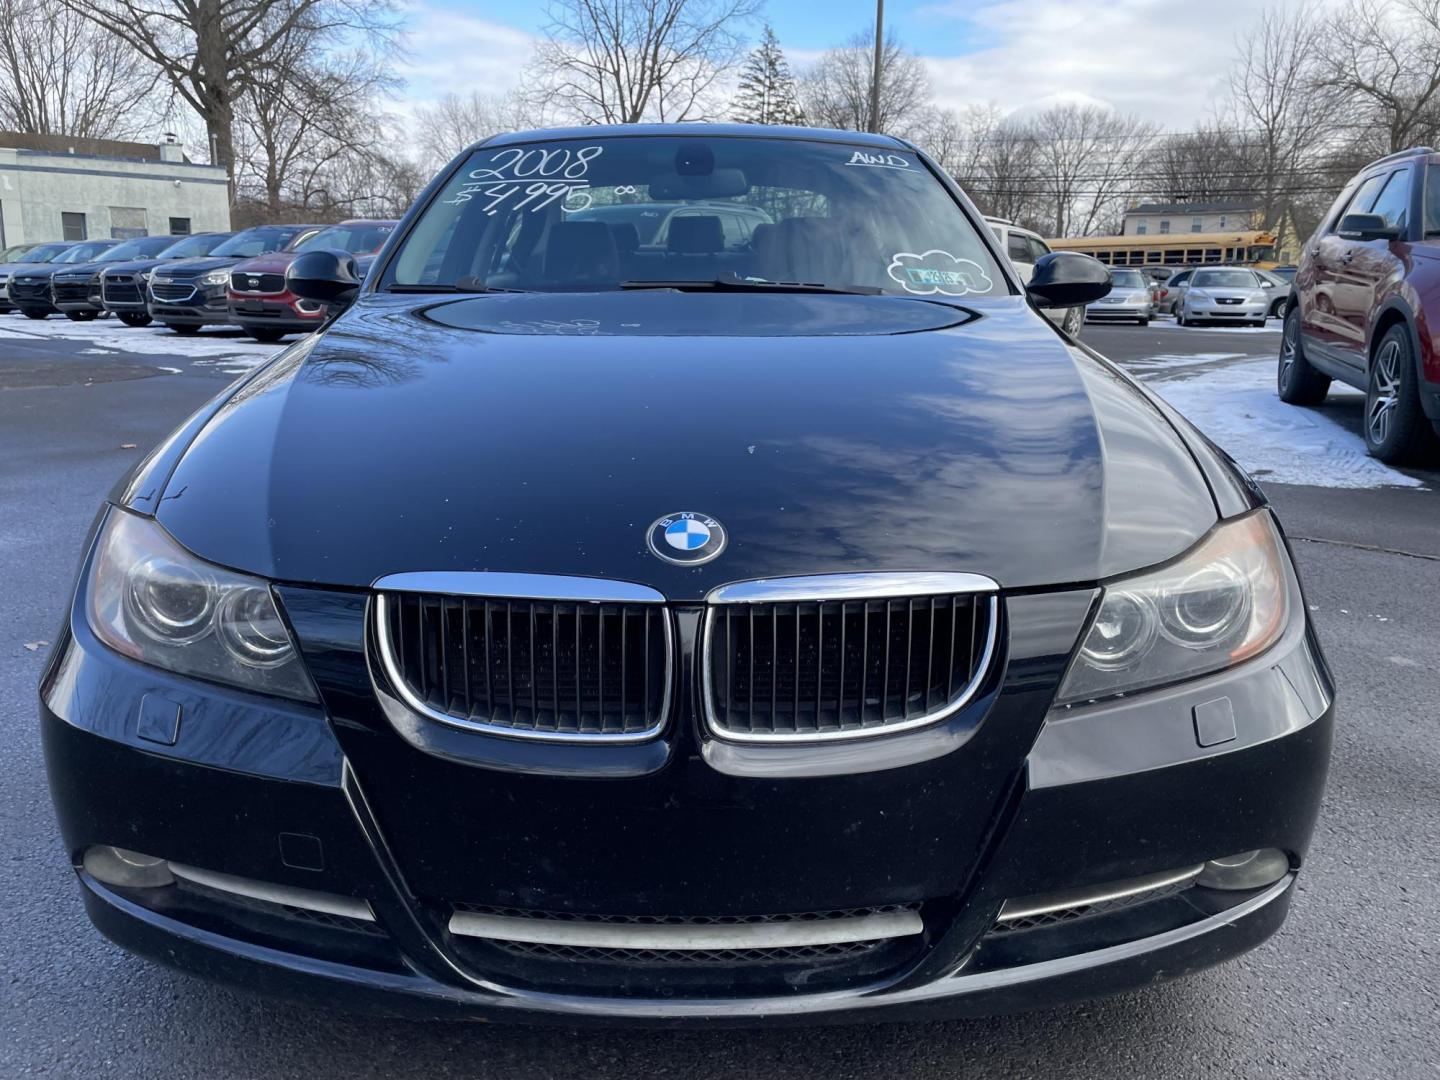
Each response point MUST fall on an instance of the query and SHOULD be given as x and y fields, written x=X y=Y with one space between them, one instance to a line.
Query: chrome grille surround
x=533 y=590
x=844 y=590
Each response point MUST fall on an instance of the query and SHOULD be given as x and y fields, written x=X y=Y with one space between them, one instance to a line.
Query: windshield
x=193 y=246
x=141 y=248
x=360 y=238
x=44 y=253
x=1223 y=279
x=1127 y=279
x=251 y=242
x=85 y=252
x=591 y=214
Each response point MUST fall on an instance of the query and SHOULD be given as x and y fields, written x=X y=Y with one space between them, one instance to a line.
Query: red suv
x=1365 y=306
x=264 y=308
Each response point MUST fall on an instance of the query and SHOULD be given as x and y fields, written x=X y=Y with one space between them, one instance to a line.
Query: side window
x=1017 y=248
x=1394 y=201
x=1182 y=278
x=1432 y=200
x=1037 y=248
x=1362 y=200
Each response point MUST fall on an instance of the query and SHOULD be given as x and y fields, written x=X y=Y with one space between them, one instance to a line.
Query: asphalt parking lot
x=1348 y=988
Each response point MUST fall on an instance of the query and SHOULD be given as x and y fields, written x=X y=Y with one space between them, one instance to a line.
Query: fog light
x=127 y=869
x=1248 y=870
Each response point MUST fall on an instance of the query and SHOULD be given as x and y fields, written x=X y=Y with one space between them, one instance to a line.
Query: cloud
x=937 y=271
x=450 y=52
x=1164 y=62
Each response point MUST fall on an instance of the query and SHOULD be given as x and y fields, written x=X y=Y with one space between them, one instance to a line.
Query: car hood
x=273 y=263
x=21 y=267
x=544 y=433
x=195 y=267
x=134 y=266
x=81 y=268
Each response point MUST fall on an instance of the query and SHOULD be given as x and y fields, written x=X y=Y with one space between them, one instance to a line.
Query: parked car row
x=183 y=282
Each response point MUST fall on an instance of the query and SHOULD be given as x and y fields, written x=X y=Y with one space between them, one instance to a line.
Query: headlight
x=1139 y=298
x=1224 y=601
x=1198 y=294
x=149 y=598
x=215 y=277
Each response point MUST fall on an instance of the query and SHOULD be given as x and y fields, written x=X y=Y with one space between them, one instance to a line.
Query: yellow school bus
x=1176 y=249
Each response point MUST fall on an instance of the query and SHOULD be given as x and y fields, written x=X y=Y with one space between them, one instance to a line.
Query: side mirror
x=324 y=276
x=1366 y=227
x=1068 y=279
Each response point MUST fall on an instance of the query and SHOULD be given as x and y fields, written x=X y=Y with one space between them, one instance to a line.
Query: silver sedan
x=1224 y=295
x=1129 y=299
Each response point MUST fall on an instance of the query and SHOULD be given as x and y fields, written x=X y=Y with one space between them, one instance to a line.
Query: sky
x=1165 y=62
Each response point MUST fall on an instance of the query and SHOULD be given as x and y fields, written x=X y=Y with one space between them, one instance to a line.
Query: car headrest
x=627 y=237
x=695 y=234
x=581 y=251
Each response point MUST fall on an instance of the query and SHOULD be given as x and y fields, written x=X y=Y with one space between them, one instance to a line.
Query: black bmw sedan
x=770 y=618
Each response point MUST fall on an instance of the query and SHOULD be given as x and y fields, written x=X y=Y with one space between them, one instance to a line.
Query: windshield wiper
x=464 y=285
x=735 y=283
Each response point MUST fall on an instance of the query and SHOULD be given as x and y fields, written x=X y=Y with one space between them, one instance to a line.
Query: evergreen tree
x=767 y=93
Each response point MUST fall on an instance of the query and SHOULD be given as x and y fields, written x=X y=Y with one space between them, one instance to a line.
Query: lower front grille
x=118 y=290
x=72 y=292
x=529 y=668
x=779 y=955
x=689 y=940
x=172 y=290
x=833 y=668
x=257 y=283
x=21 y=289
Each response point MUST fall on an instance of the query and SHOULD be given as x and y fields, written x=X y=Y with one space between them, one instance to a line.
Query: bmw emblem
x=686 y=538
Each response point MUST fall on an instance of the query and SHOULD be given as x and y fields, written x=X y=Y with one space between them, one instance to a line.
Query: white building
x=58 y=187
x=1170 y=219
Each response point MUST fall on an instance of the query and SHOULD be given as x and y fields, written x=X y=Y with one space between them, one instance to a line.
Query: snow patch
x=1236 y=405
x=109 y=336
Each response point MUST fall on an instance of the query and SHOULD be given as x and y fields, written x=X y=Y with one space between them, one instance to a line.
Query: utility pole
x=874 y=124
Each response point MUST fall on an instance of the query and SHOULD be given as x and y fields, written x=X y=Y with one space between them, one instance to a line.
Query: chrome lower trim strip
x=502 y=586
x=309 y=899
x=867 y=586
x=712 y=720
x=781 y=935
x=385 y=647
x=1030 y=906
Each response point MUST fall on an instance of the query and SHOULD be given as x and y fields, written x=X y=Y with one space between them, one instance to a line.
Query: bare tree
x=454 y=122
x=1213 y=161
x=304 y=111
x=1087 y=158
x=60 y=74
x=1384 y=60
x=1284 y=110
x=213 y=51
x=836 y=91
x=624 y=61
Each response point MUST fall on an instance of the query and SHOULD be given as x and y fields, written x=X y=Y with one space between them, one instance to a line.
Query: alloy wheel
x=1384 y=393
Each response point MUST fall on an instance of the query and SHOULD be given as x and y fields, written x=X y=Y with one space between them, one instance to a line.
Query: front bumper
x=282 y=312
x=205 y=306
x=1196 y=309
x=1103 y=310
x=1102 y=794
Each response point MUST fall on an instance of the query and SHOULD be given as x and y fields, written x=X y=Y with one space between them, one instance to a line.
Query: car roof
x=752 y=131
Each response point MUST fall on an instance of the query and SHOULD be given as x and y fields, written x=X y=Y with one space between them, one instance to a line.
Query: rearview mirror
x=1068 y=279
x=718 y=184
x=326 y=276
x=1367 y=227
